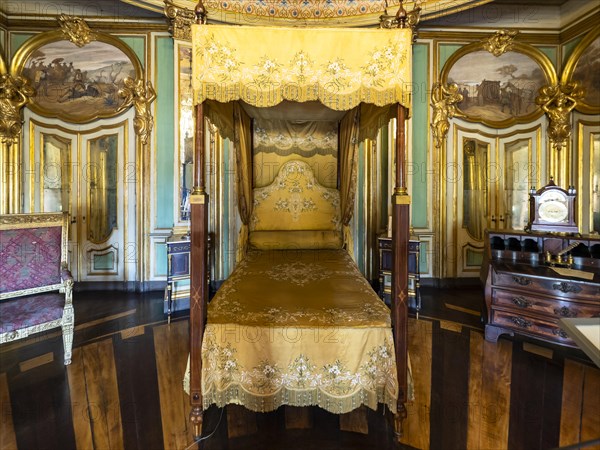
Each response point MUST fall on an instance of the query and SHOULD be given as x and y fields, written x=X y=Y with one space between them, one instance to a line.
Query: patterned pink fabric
x=29 y=258
x=24 y=312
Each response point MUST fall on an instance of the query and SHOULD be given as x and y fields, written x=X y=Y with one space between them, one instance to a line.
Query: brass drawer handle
x=565 y=312
x=560 y=333
x=523 y=281
x=519 y=321
x=521 y=302
x=566 y=287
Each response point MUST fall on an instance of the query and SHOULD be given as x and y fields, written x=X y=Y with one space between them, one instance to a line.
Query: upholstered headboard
x=295 y=211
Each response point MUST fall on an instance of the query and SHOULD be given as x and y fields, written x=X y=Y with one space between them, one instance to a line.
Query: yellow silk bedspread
x=298 y=328
x=302 y=288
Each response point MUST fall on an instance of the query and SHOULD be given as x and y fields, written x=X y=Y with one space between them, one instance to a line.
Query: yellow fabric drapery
x=348 y=158
x=243 y=159
x=339 y=67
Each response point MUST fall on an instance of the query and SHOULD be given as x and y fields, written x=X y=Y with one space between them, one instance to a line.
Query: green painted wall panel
x=423 y=257
x=160 y=265
x=138 y=45
x=446 y=51
x=165 y=113
x=16 y=40
x=551 y=53
x=569 y=47
x=419 y=135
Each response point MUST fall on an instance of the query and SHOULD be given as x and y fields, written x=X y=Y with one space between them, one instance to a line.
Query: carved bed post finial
x=558 y=101
x=201 y=13
x=443 y=101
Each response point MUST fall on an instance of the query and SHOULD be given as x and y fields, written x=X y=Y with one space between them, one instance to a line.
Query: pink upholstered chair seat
x=25 y=312
x=36 y=286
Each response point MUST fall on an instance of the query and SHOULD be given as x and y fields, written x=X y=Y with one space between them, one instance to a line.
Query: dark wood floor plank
x=171 y=348
x=475 y=391
x=355 y=421
x=495 y=394
x=240 y=421
x=416 y=426
x=298 y=418
x=449 y=389
x=572 y=403
x=590 y=414
x=41 y=407
x=535 y=401
x=138 y=390
x=103 y=395
x=8 y=440
x=82 y=425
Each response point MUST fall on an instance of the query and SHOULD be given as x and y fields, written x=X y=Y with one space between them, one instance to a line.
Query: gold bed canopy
x=339 y=67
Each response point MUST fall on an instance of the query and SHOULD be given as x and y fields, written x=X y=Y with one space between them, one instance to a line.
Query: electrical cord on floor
x=202 y=438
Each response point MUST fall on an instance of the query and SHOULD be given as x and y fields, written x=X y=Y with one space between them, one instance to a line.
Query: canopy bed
x=296 y=323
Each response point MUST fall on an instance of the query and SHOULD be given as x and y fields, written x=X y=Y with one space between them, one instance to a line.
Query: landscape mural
x=496 y=89
x=78 y=83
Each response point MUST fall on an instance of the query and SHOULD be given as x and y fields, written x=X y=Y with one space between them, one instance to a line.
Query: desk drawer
x=533 y=326
x=548 y=286
x=556 y=308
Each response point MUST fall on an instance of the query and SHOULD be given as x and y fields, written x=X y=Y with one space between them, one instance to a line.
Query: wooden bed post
x=198 y=260
x=198 y=271
x=400 y=237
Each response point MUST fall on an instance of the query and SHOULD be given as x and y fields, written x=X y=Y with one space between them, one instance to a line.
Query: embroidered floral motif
x=301 y=372
x=380 y=360
x=267 y=72
x=219 y=55
x=295 y=206
x=223 y=360
x=267 y=378
x=298 y=273
x=295 y=191
x=301 y=67
x=338 y=76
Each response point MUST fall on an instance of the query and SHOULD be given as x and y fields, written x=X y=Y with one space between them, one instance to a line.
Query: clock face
x=553 y=207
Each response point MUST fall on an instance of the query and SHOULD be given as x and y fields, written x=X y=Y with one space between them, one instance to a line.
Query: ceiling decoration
x=311 y=13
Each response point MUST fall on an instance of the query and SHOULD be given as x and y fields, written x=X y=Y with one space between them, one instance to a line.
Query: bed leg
x=196 y=421
x=399 y=422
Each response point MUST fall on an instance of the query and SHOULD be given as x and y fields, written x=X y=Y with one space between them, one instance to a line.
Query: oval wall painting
x=587 y=72
x=497 y=89
x=78 y=83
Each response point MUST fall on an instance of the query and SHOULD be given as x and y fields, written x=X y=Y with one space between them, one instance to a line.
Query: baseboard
x=450 y=282
x=123 y=286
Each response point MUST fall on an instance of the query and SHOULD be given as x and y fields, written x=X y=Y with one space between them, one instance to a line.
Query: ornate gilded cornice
x=500 y=42
x=443 y=101
x=558 y=101
x=76 y=30
x=180 y=21
x=140 y=94
x=15 y=92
